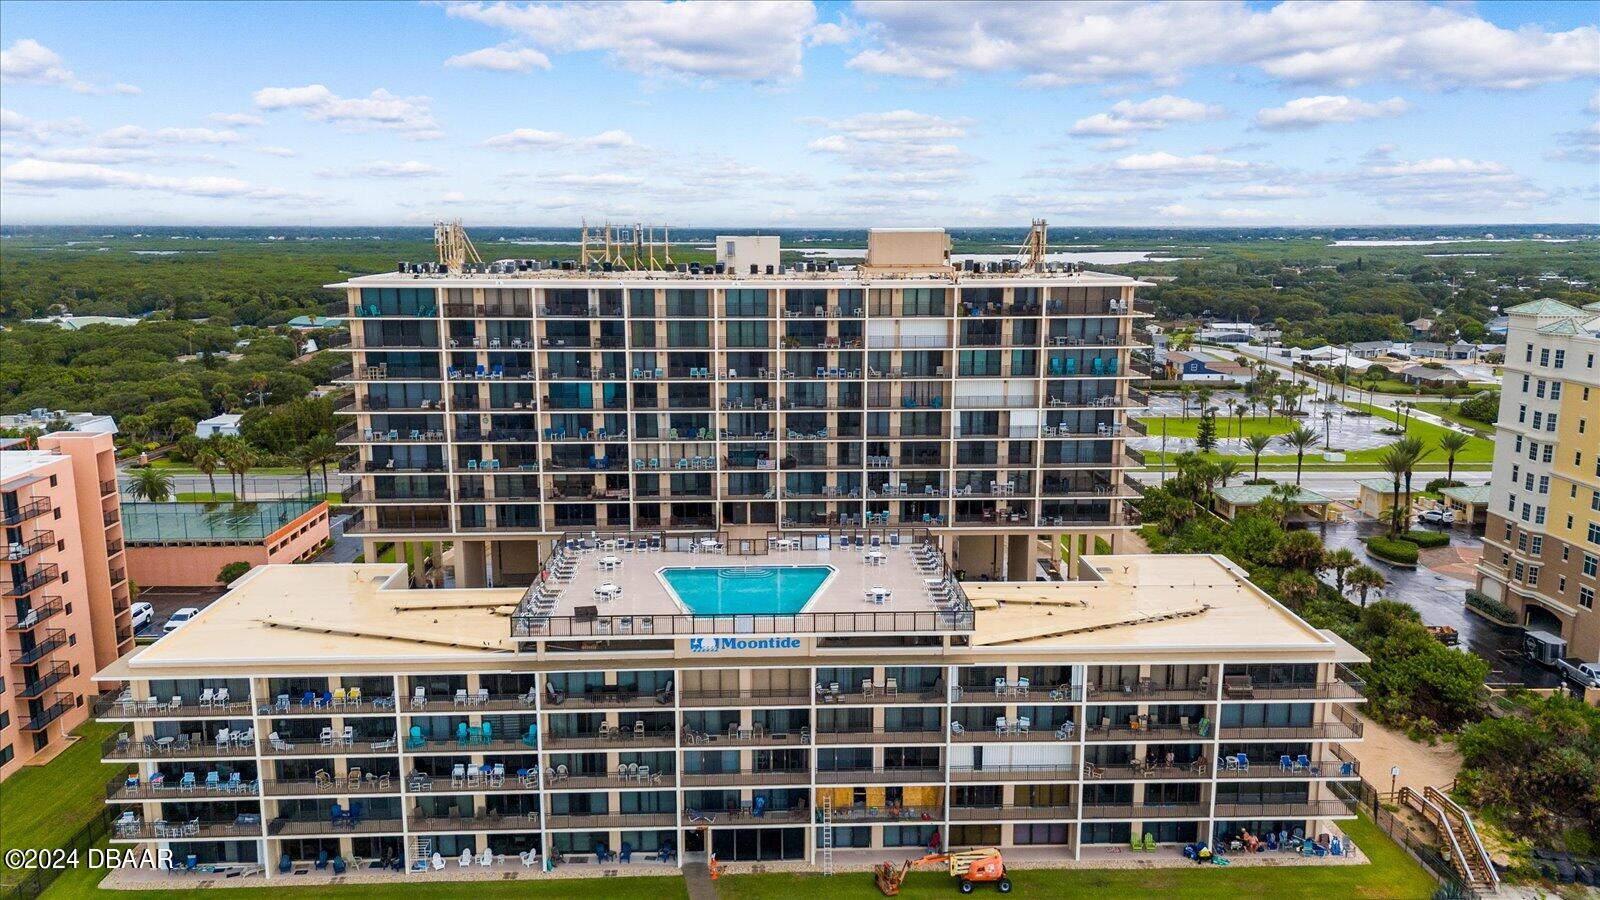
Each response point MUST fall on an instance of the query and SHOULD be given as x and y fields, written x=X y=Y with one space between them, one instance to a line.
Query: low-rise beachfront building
x=807 y=698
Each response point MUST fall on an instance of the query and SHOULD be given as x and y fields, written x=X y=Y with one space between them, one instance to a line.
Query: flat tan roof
x=1141 y=603
x=363 y=615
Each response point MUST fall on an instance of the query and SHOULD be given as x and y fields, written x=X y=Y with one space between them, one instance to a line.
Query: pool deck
x=644 y=594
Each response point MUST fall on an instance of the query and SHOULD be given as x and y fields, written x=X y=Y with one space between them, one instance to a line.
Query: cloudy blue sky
x=800 y=113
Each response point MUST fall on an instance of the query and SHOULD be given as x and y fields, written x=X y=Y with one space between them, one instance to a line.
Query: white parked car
x=176 y=620
x=1437 y=517
x=143 y=614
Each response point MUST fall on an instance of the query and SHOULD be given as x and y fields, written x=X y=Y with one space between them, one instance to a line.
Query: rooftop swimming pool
x=745 y=590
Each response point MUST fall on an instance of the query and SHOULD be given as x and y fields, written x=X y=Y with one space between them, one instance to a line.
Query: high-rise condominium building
x=65 y=589
x=1542 y=541
x=514 y=401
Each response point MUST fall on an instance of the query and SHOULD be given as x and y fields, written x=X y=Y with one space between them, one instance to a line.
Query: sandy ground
x=1420 y=765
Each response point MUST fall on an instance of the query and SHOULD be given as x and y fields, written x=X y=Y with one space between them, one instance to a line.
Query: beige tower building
x=1542 y=542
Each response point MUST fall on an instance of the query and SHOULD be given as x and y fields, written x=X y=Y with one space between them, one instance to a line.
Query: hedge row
x=1427 y=538
x=1393 y=550
x=1490 y=607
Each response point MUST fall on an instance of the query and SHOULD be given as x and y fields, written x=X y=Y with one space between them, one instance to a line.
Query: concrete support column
x=496 y=565
x=369 y=550
x=1118 y=540
x=471 y=562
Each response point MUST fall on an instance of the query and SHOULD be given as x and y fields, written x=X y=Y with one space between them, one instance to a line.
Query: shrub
x=1260 y=481
x=232 y=572
x=1400 y=551
x=1484 y=407
x=1427 y=538
x=1438 y=484
x=1490 y=607
x=1392 y=430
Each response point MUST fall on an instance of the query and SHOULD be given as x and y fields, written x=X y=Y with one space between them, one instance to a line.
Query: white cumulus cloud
x=137 y=136
x=535 y=139
x=19 y=127
x=746 y=41
x=410 y=117
x=37 y=173
x=238 y=120
x=1324 y=109
x=505 y=58
x=27 y=61
x=1147 y=115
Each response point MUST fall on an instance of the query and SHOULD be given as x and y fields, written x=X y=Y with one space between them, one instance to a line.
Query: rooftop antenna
x=454 y=247
x=1037 y=245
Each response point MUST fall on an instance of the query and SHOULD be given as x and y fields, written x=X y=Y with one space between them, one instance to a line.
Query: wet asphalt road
x=1440 y=600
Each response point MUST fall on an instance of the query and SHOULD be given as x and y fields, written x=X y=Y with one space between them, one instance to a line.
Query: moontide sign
x=732 y=644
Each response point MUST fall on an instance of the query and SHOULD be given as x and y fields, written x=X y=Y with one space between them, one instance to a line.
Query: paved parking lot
x=169 y=600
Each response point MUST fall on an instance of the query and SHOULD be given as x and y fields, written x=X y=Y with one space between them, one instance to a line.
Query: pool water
x=746 y=590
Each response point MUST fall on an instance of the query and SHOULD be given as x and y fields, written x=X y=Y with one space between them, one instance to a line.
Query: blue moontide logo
x=717 y=645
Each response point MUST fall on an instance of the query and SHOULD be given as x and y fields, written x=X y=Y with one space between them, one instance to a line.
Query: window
x=5 y=719
x=1519 y=443
x=1517 y=573
x=1594 y=501
x=1527 y=482
x=1550 y=423
x=1538 y=390
x=53 y=481
x=1591 y=564
x=1525 y=381
x=1585 y=600
x=1533 y=576
x=1561 y=358
x=1544 y=484
x=1536 y=546
x=6 y=754
x=1509 y=528
x=1555 y=390
x=1561 y=585
x=1548 y=448
x=1528 y=356
x=1538 y=515
x=1538 y=420
x=72 y=640
x=1544 y=356
x=1516 y=473
x=1522 y=412
x=1522 y=543
x=1527 y=511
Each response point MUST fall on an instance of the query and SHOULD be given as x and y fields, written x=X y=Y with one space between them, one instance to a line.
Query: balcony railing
x=42 y=576
x=891 y=775
x=48 y=643
x=294 y=827
x=41 y=612
x=57 y=708
x=58 y=673
x=762 y=777
x=36 y=544
x=1295 y=809
x=1011 y=813
x=1145 y=811
x=1041 y=772
x=25 y=512
x=744 y=628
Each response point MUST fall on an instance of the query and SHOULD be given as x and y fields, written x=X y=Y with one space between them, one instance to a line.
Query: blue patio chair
x=1285 y=763
x=627 y=852
x=1072 y=366
x=1244 y=762
x=187 y=782
x=309 y=700
x=488 y=733
x=322 y=859
x=758 y=807
x=601 y=854
x=213 y=781
x=335 y=815
x=414 y=738
x=1302 y=762
x=531 y=739
x=327 y=699
x=339 y=865
x=481 y=372
x=499 y=371
x=461 y=734
x=354 y=816
x=284 y=863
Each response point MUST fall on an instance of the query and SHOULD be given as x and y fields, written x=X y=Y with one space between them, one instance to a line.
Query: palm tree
x=1257 y=444
x=1452 y=443
x=206 y=459
x=304 y=456
x=1183 y=395
x=150 y=483
x=1364 y=578
x=1226 y=469
x=1339 y=560
x=1301 y=439
x=1414 y=451
x=1397 y=463
x=238 y=457
x=325 y=450
x=1233 y=408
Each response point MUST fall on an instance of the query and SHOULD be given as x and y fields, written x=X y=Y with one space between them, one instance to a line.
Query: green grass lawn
x=84 y=882
x=1391 y=874
x=43 y=806
x=1227 y=427
x=1449 y=411
x=1477 y=450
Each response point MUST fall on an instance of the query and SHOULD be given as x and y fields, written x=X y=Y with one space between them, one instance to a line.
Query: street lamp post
x=1394 y=778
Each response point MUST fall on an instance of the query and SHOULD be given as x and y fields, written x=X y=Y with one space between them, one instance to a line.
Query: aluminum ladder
x=827 y=833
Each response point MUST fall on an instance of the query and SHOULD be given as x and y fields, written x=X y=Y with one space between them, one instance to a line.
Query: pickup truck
x=1584 y=673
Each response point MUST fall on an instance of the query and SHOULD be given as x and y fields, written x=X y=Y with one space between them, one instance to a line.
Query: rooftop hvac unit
x=721 y=268
x=400 y=267
x=533 y=265
x=756 y=270
x=833 y=267
x=769 y=269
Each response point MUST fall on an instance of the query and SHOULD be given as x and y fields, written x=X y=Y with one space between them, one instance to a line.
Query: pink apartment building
x=64 y=590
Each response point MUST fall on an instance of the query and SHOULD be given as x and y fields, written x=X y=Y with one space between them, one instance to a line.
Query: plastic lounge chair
x=1149 y=842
